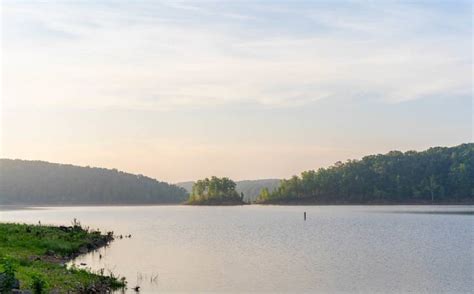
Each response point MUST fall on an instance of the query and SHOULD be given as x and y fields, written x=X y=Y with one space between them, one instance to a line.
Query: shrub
x=38 y=284
x=7 y=280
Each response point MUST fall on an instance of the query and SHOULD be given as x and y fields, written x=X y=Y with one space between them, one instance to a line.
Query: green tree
x=437 y=174
x=214 y=190
x=264 y=195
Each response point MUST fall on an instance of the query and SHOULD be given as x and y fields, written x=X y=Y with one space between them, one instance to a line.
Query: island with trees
x=439 y=175
x=215 y=191
x=250 y=188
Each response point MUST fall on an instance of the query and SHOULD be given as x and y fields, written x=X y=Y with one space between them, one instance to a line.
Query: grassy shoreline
x=36 y=255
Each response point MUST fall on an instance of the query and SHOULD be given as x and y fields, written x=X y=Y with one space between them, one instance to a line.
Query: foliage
x=42 y=240
x=37 y=252
x=43 y=183
x=38 y=284
x=250 y=188
x=8 y=278
x=435 y=175
x=214 y=190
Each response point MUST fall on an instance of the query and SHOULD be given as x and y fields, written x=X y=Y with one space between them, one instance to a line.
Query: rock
x=3 y=281
x=83 y=250
x=17 y=291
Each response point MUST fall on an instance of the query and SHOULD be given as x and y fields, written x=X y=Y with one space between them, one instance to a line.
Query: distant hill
x=188 y=186
x=44 y=183
x=250 y=188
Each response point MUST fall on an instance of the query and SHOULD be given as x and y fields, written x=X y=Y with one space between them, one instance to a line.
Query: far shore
x=9 y=207
x=371 y=203
x=16 y=207
x=39 y=206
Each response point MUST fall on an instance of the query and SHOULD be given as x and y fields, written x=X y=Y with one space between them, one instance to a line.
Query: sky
x=181 y=90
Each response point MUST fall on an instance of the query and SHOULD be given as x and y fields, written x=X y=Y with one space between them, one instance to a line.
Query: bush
x=7 y=278
x=38 y=284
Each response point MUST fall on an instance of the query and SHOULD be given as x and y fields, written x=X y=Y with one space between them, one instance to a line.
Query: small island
x=33 y=259
x=215 y=191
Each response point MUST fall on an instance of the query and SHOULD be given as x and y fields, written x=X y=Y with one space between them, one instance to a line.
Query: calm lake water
x=365 y=249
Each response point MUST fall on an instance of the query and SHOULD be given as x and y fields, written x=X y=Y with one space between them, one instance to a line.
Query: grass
x=38 y=255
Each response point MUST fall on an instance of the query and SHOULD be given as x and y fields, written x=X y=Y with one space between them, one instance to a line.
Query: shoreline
x=216 y=203
x=311 y=203
x=31 y=258
x=279 y=203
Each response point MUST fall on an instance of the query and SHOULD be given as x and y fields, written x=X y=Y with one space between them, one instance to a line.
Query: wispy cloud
x=180 y=54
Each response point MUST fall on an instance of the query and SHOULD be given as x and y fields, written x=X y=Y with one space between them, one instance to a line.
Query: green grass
x=37 y=254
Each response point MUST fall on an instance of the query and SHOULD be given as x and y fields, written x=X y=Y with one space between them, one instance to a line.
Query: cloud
x=171 y=55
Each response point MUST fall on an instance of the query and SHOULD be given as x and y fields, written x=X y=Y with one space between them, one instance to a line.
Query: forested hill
x=43 y=183
x=437 y=175
x=250 y=188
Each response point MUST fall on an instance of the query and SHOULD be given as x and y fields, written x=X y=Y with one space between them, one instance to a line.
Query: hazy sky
x=180 y=90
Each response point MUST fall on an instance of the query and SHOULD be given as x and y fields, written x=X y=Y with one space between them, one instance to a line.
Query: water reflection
x=272 y=249
x=465 y=212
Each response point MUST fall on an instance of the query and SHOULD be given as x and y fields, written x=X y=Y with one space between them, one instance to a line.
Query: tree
x=264 y=195
x=213 y=191
x=44 y=183
x=437 y=174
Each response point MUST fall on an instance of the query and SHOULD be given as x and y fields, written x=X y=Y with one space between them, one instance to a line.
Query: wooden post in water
x=305 y=215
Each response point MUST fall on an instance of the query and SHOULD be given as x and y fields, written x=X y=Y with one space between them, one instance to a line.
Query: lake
x=365 y=249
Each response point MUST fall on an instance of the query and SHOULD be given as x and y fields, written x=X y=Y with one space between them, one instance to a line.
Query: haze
x=181 y=90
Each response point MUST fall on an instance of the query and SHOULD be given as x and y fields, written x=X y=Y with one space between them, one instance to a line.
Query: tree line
x=438 y=175
x=43 y=183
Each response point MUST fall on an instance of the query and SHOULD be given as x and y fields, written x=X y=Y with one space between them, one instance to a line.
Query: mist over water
x=384 y=249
